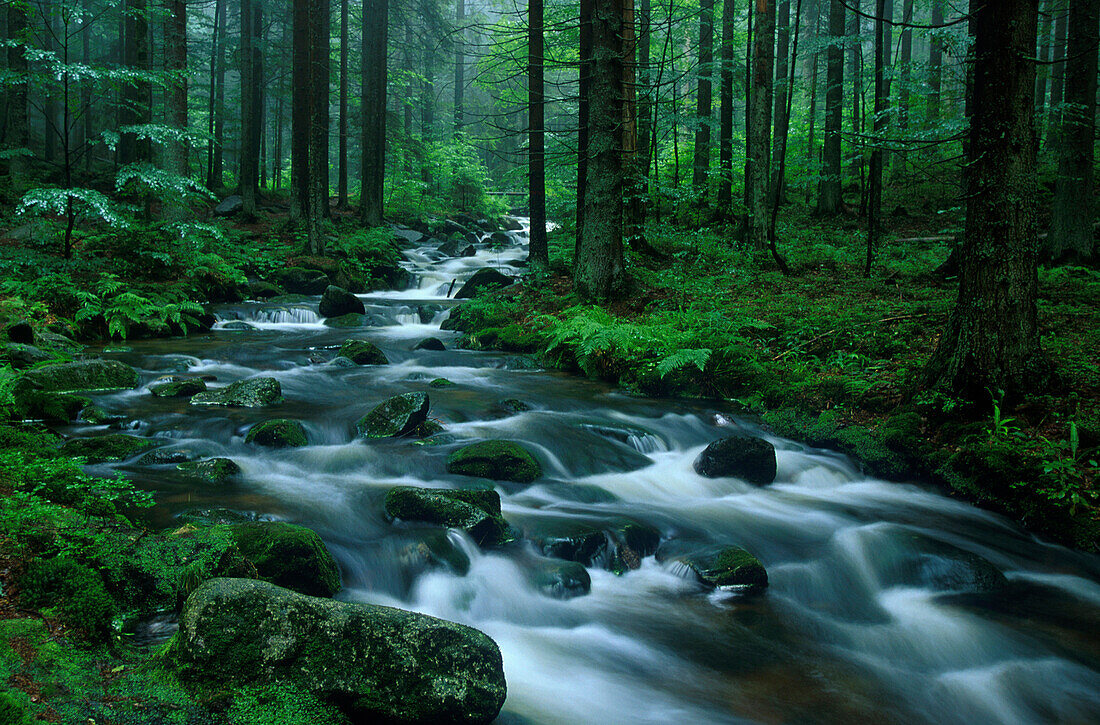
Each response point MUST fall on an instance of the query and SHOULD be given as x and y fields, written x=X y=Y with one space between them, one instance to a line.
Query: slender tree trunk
x=175 y=56
x=701 y=165
x=317 y=190
x=782 y=49
x=408 y=104
x=811 y=146
x=906 y=74
x=584 y=85
x=300 y=110
x=342 y=172
x=633 y=179
x=1042 y=79
x=599 y=271
x=50 y=107
x=250 y=153
x=1071 y=233
x=427 y=112
x=1058 y=70
x=538 y=253
x=725 y=113
x=759 y=136
x=830 y=200
x=855 y=77
x=216 y=122
x=18 y=123
x=460 y=65
x=646 y=126
x=375 y=24
x=86 y=87
x=991 y=342
x=935 y=68
x=136 y=95
x=874 y=206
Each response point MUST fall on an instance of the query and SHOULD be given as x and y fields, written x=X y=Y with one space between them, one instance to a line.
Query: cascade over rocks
x=398 y=416
x=739 y=455
x=362 y=352
x=337 y=301
x=375 y=662
x=475 y=511
x=718 y=567
x=483 y=280
x=250 y=393
x=496 y=460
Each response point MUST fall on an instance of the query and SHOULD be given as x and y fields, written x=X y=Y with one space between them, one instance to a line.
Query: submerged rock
x=251 y=393
x=178 y=388
x=483 y=280
x=475 y=511
x=511 y=406
x=166 y=456
x=112 y=447
x=430 y=343
x=718 y=567
x=238 y=326
x=337 y=301
x=398 y=416
x=82 y=375
x=560 y=579
x=352 y=319
x=740 y=455
x=375 y=662
x=362 y=352
x=427 y=429
x=440 y=383
x=212 y=470
x=496 y=460
x=278 y=433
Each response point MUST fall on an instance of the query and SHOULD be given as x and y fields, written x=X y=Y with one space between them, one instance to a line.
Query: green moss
x=730 y=566
x=82 y=375
x=288 y=555
x=400 y=415
x=497 y=460
x=283 y=704
x=178 y=388
x=476 y=511
x=362 y=352
x=440 y=383
x=14 y=708
x=251 y=393
x=212 y=470
x=74 y=590
x=278 y=433
x=111 y=447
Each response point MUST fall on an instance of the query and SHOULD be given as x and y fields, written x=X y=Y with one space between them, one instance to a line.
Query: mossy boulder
x=362 y=352
x=82 y=375
x=483 y=280
x=278 y=433
x=400 y=415
x=107 y=448
x=475 y=511
x=261 y=290
x=742 y=456
x=338 y=301
x=352 y=319
x=166 y=457
x=21 y=356
x=430 y=343
x=497 y=460
x=299 y=280
x=212 y=470
x=440 y=383
x=74 y=589
x=288 y=555
x=251 y=393
x=377 y=663
x=32 y=404
x=178 y=388
x=718 y=567
x=427 y=429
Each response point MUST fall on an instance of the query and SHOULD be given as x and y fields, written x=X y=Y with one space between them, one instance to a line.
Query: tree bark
x=1042 y=79
x=935 y=68
x=599 y=271
x=137 y=94
x=175 y=56
x=342 y=131
x=1058 y=70
x=991 y=343
x=460 y=65
x=18 y=123
x=759 y=132
x=216 y=120
x=1071 y=235
x=782 y=87
x=830 y=199
x=300 y=109
x=874 y=206
x=701 y=164
x=584 y=85
x=725 y=113
x=906 y=72
x=250 y=126
x=319 y=24
x=537 y=251
x=375 y=24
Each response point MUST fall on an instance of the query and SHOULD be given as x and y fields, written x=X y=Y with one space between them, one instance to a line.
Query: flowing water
x=875 y=611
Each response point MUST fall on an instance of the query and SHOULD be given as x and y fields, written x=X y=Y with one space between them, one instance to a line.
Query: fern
x=684 y=358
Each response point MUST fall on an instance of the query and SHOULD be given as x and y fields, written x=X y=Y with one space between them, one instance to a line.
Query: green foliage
x=123 y=310
x=13 y=708
x=282 y=704
x=74 y=590
x=47 y=201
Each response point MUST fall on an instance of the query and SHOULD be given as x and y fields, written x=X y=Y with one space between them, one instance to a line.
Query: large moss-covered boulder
x=278 y=433
x=113 y=447
x=289 y=555
x=743 y=456
x=338 y=301
x=430 y=343
x=377 y=663
x=178 y=388
x=33 y=404
x=496 y=460
x=362 y=352
x=82 y=375
x=21 y=356
x=211 y=470
x=400 y=415
x=477 y=511
x=299 y=280
x=251 y=393
x=719 y=567
x=484 y=280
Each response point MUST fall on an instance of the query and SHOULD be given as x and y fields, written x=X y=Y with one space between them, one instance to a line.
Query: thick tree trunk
x=874 y=206
x=991 y=343
x=935 y=68
x=342 y=171
x=216 y=119
x=1071 y=233
x=18 y=124
x=136 y=95
x=829 y=197
x=317 y=190
x=538 y=253
x=599 y=271
x=375 y=24
x=460 y=65
x=759 y=132
x=175 y=59
x=250 y=127
x=1058 y=69
x=701 y=163
x=725 y=112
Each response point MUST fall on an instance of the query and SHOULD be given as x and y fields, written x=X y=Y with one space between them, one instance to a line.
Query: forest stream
x=886 y=601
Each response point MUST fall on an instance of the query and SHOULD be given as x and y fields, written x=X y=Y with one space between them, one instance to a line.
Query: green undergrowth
x=831 y=358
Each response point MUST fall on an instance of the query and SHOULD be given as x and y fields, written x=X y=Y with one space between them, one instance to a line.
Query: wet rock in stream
x=362 y=352
x=717 y=567
x=475 y=511
x=337 y=301
x=398 y=416
x=213 y=470
x=250 y=393
x=107 y=448
x=178 y=388
x=278 y=433
x=742 y=456
x=496 y=460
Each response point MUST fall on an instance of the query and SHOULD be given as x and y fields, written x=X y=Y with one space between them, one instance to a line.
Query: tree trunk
x=855 y=77
x=811 y=147
x=874 y=206
x=342 y=172
x=782 y=50
x=300 y=110
x=216 y=119
x=319 y=25
x=701 y=164
x=1071 y=233
x=646 y=105
x=18 y=124
x=906 y=73
x=991 y=343
x=137 y=95
x=460 y=64
x=175 y=57
x=1058 y=70
x=538 y=253
x=250 y=147
x=829 y=198
x=759 y=132
x=584 y=85
x=725 y=113
x=599 y=271
x=1042 y=79
x=375 y=24
x=50 y=107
